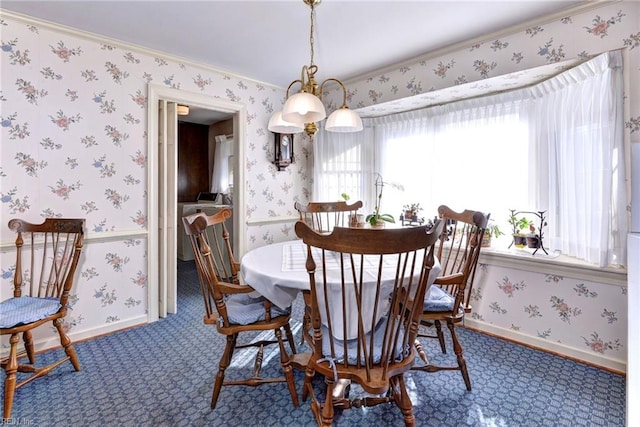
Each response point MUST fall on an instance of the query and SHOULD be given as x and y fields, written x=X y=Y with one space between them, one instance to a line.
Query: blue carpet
x=162 y=375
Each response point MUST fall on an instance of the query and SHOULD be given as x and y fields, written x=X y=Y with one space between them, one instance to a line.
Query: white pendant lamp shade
x=303 y=107
x=344 y=120
x=278 y=125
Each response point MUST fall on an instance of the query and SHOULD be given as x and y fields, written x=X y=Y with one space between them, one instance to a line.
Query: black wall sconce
x=283 y=150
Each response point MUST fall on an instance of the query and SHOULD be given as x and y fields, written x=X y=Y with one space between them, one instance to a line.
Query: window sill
x=553 y=265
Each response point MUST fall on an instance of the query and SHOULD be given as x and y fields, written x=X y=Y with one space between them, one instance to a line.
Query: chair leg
x=10 y=381
x=326 y=414
x=304 y=326
x=440 y=336
x=308 y=376
x=402 y=399
x=66 y=344
x=457 y=348
x=28 y=346
x=290 y=339
x=421 y=352
x=287 y=368
x=225 y=360
x=306 y=317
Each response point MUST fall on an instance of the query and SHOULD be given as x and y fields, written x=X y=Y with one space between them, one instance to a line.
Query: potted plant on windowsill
x=492 y=231
x=377 y=219
x=355 y=219
x=533 y=239
x=411 y=211
x=519 y=224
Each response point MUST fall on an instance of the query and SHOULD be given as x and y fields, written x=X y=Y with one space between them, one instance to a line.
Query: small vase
x=533 y=242
x=519 y=241
x=356 y=220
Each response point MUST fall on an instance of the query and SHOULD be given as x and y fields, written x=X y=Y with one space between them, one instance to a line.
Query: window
x=555 y=147
x=473 y=166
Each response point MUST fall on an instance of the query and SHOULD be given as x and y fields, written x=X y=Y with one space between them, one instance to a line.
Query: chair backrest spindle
x=52 y=249
x=324 y=216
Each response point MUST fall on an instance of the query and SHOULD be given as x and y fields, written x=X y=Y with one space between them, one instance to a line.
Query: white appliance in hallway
x=633 y=295
x=185 y=253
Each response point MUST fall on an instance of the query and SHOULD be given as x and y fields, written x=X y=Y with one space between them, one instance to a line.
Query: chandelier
x=302 y=110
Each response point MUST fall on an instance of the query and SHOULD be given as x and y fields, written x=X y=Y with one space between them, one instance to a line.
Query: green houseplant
x=491 y=232
x=411 y=210
x=377 y=219
x=519 y=224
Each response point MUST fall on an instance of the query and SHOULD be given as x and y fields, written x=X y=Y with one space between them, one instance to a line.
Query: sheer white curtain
x=468 y=155
x=343 y=163
x=580 y=148
x=556 y=147
x=221 y=177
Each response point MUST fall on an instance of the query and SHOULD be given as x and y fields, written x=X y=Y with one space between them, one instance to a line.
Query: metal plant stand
x=405 y=220
x=541 y=217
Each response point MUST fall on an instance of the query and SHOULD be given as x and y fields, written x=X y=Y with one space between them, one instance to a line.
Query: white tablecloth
x=278 y=272
x=262 y=269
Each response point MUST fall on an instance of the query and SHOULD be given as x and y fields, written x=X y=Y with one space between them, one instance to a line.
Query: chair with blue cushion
x=367 y=289
x=448 y=300
x=47 y=255
x=234 y=307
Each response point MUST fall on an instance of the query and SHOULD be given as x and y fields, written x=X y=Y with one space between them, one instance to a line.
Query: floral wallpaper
x=73 y=124
x=73 y=130
x=508 y=62
x=585 y=316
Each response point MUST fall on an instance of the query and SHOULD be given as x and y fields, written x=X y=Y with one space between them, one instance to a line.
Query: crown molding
x=87 y=35
x=508 y=31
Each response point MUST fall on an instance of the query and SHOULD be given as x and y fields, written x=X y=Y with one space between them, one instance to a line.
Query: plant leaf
x=387 y=218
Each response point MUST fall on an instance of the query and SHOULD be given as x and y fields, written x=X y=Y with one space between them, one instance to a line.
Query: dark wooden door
x=193 y=161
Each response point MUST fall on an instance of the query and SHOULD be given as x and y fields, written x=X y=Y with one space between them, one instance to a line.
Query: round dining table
x=277 y=271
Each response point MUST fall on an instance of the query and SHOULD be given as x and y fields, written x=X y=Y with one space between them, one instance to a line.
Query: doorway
x=162 y=189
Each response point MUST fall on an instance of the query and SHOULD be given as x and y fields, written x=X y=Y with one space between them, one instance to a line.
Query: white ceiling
x=268 y=40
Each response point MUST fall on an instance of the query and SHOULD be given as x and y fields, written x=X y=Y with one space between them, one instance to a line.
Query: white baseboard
x=549 y=346
x=54 y=341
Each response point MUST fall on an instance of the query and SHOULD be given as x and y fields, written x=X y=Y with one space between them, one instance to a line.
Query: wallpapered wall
x=74 y=144
x=580 y=318
x=572 y=316
x=73 y=129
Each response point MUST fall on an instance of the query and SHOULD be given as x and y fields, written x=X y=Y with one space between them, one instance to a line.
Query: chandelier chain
x=302 y=110
x=311 y=40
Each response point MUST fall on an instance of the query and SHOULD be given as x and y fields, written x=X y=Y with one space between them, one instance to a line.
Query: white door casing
x=162 y=191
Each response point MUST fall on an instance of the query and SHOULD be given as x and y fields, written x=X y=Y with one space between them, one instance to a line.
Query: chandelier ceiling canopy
x=304 y=109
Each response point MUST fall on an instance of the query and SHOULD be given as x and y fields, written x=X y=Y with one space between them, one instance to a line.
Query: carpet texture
x=162 y=375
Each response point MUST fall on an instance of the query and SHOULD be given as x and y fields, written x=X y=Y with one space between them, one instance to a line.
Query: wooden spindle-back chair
x=448 y=300
x=324 y=216
x=229 y=305
x=47 y=255
x=367 y=292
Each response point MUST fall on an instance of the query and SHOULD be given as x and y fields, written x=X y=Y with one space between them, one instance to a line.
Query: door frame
x=156 y=268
